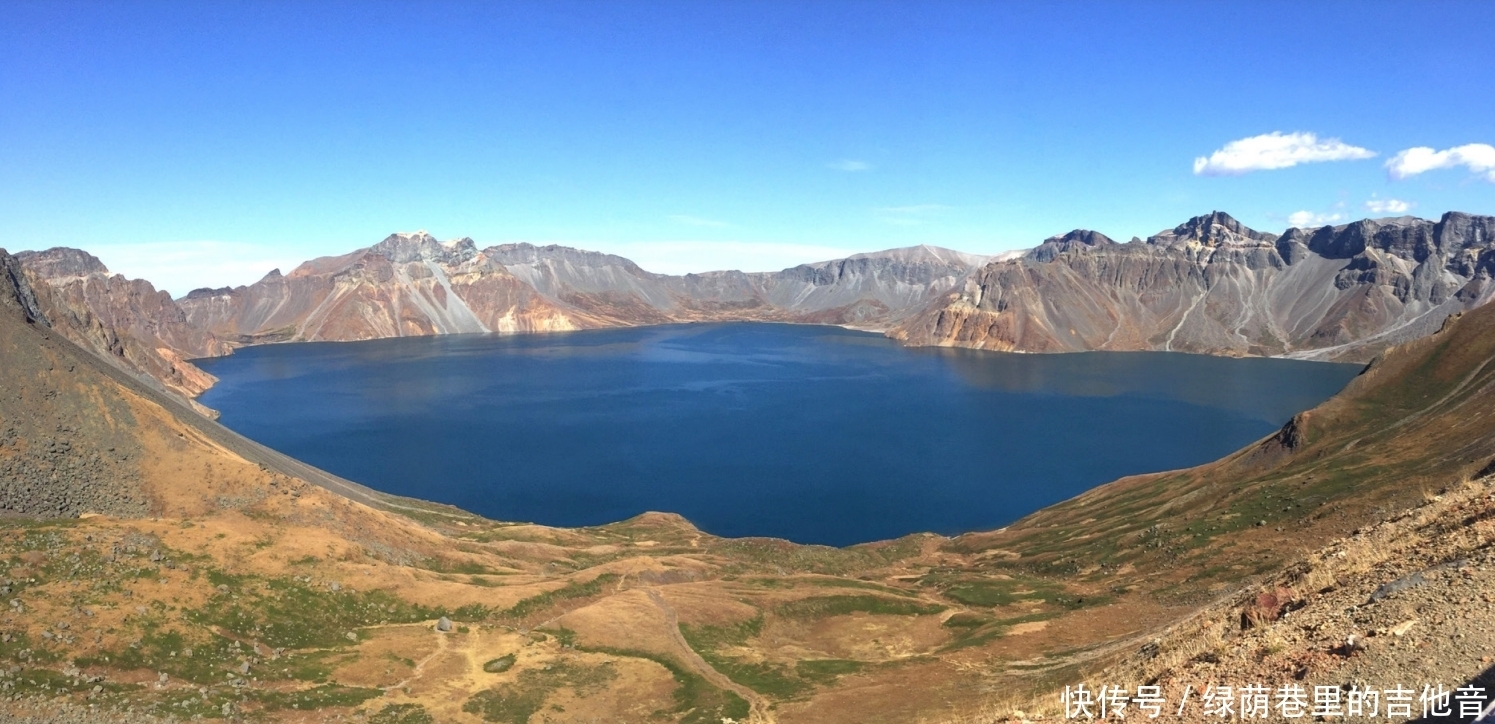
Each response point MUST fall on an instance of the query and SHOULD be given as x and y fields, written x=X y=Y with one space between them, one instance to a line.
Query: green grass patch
x=185 y=704
x=516 y=703
x=762 y=677
x=536 y=604
x=864 y=585
x=287 y=613
x=500 y=664
x=508 y=704
x=826 y=606
x=695 y=697
x=998 y=592
x=966 y=621
x=317 y=697
x=826 y=671
x=402 y=714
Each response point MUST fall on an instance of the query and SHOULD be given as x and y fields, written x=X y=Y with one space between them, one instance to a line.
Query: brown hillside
x=225 y=580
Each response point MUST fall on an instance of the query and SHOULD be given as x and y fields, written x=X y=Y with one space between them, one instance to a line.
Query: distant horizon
x=142 y=266
x=219 y=140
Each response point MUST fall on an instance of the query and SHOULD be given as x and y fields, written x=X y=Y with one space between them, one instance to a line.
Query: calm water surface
x=815 y=434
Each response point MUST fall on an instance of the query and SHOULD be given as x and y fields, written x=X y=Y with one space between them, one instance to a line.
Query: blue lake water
x=815 y=434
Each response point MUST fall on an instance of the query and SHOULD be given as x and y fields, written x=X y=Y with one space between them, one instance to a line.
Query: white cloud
x=181 y=266
x=1275 y=150
x=684 y=257
x=1387 y=206
x=1478 y=157
x=695 y=221
x=1312 y=220
x=849 y=164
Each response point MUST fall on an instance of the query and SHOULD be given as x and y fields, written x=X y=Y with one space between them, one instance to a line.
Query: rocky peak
x=1216 y=228
x=524 y=253
x=1082 y=236
x=16 y=292
x=1077 y=239
x=209 y=292
x=421 y=246
x=61 y=262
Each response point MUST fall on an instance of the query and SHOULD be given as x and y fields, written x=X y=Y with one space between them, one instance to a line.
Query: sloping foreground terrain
x=1391 y=488
x=127 y=322
x=160 y=566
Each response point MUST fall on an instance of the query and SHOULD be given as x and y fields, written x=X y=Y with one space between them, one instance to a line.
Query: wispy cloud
x=1477 y=157
x=181 y=266
x=910 y=215
x=1313 y=220
x=849 y=164
x=696 y=221
x=1387 y=206
x=1273 y=151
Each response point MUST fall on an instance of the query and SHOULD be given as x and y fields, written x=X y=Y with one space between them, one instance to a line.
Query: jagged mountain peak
x=61 y=261
x=210 y=292
x=1081 y=236
x=421 y=246
x=1216 y=228
x=16 y=292
x=1077 y=239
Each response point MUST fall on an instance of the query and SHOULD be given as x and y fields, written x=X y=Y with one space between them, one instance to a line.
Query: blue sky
x=204 y=143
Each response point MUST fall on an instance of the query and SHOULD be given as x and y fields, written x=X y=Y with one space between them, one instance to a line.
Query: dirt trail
x=420 y=666
x=760 y=712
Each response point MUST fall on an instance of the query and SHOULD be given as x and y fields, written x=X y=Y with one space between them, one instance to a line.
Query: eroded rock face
x=125 y=321
x=1212 y=285
x=1209 y=285
x=406 y=285
x=44 y=469
x=411 y=284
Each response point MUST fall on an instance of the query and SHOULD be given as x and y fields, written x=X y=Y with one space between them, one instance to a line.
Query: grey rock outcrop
x=1212 y=285
x=412 y=284
x=127 y=322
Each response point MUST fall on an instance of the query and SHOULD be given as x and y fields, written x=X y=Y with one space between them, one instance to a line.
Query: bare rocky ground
x=1405 y=604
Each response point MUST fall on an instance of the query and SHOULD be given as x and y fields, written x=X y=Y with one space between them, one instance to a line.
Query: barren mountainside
x=126 y=321
x=412 y=284
x=224 y=580
x=1210 y=285
x=1214 y=286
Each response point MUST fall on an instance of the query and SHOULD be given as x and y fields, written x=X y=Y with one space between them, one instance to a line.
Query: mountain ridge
x=1214 y=286
x=1209 y=285
x=324 y=591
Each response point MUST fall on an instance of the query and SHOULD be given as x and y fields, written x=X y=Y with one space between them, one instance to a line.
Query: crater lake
x=814 y=434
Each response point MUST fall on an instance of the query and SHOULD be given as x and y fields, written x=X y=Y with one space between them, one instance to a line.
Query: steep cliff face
x=1212 y=285
x=867 y=290
x=406 y=285
x=411 y=284
x=125 y=321
x=871 y=290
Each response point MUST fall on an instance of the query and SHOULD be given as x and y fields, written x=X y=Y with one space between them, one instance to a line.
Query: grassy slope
x=893 y=631
x=1418 y=421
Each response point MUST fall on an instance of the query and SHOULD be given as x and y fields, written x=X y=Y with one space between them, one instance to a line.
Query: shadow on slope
x=1414 y=422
